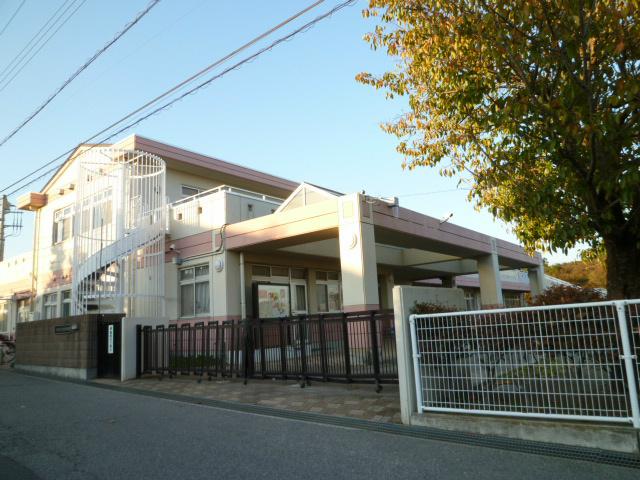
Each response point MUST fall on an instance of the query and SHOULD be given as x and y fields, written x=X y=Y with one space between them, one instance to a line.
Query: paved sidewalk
x=347 y=400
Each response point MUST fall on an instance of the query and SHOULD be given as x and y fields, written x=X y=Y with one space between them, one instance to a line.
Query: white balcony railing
x=208 y=210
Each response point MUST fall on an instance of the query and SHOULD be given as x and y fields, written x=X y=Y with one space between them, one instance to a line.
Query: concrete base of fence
x=606 y=437
x=64 y=372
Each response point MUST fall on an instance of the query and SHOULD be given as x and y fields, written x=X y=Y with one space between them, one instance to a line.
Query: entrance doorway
x=299 y=303
x=109 y=347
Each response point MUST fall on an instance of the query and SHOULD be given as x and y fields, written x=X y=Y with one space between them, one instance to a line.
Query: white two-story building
x=151 y=230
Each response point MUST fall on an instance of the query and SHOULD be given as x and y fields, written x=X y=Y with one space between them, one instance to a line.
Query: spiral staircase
x=119 y=237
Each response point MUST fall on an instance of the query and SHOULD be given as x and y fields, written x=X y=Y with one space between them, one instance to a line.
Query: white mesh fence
x=569 y=361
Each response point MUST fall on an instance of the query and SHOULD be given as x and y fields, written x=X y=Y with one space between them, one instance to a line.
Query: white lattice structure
x=119 y=229
x=572 y=362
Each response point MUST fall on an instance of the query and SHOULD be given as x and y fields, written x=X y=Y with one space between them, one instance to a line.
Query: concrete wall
x=73 y=355
x=176 y=179
x=404 y=299
x=129 y=351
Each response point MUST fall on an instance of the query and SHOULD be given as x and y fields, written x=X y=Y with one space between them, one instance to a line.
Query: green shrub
x=563 y=294
x=427 y=308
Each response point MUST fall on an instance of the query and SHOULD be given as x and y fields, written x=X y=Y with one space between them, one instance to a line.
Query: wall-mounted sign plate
x=110 y=340
x=66 y=329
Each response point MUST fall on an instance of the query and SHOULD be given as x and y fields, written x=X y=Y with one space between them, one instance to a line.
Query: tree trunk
x=623 y=267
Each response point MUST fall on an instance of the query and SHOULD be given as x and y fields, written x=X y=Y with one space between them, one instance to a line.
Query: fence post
x=154 y=351
x=219 y=355
x=208 y=349
x=248 y=349
x=231 y=349
x=345 y=343
x=139 y=352
x=200 y=327
x=176 y=355
x=628 y=357
x=303 y=350
x=283 y=351
x=373 y=332
x=416 y=362
x=263 y=360
x=323 y=347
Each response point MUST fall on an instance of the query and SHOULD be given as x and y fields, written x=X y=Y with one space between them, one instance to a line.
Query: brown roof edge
x=193 y=158
x=65 y=164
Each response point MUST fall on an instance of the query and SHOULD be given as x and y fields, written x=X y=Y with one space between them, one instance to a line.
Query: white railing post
x=416 y=363
x=628 y=357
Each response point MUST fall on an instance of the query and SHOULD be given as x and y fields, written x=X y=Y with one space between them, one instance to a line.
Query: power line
x=126 y=28
x=420 y=194
x=35 y=38
x=12 y=17
x=42 y=45
x=132 y=51
x=189 y=92
x=4 y=80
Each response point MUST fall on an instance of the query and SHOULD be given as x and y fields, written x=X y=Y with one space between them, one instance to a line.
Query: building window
x=298 y=273
x=260 y=271
x=66 y=303
x=24 y=310
x=4 y=317
x=102 y=214
x=513 y=299
x=280 y=272
x=301 y=297
x=328 y=292
x=62 y=224
x=50 y=305
x=267 y=272
x=471 y=299
x=189 y=191
x=194 y=291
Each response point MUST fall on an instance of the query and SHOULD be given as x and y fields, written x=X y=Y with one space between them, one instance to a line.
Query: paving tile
x=341 y=399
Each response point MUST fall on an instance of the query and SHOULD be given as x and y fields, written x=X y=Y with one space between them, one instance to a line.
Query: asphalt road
x=59 y=430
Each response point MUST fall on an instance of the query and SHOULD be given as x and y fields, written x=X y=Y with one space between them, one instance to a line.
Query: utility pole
x=4 y=208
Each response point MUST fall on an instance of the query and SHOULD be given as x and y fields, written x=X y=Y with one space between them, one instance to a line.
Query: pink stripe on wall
x=198 y=244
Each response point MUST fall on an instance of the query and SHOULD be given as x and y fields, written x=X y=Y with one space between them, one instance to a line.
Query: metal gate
x=576 y=362
x=354 y=347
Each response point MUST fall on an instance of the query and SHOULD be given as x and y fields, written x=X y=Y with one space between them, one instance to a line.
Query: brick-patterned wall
x=38 y=344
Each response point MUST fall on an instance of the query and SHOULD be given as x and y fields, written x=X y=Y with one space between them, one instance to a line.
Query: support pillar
x=490 y=283
x=386 y=290
x=357 y=254
x=225 y=291
x=536 y=279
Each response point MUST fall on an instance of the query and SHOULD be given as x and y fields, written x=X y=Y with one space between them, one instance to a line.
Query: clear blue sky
x=296 y=112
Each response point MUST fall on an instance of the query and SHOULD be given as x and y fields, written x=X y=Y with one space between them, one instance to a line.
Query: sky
x=296 y=111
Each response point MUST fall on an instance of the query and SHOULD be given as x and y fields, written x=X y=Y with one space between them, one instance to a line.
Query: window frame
x=48 y=305
x=198 y=190
x=323 y=284
x=471 y=295
x=62 y=216
x=4 y=316
x=194 y=280
x=64 y=302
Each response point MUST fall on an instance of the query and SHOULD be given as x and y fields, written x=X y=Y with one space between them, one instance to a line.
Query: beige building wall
x=176 y=179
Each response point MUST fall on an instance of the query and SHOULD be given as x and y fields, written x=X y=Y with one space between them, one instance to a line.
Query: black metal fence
x=355 y=347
